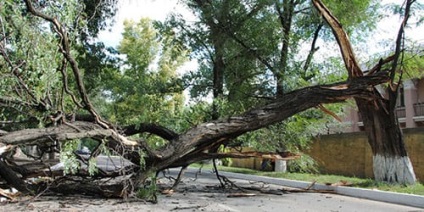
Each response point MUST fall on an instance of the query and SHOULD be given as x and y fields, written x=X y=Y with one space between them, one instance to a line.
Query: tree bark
x=193 y=142
x=217 y=42
x=285 y=15
x=90 y=189
x=390 y=158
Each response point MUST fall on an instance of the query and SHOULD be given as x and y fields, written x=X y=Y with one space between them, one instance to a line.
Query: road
x=203 y=194
x=218 y=200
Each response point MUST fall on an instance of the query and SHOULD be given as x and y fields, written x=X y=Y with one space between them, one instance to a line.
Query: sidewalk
x=377 y=195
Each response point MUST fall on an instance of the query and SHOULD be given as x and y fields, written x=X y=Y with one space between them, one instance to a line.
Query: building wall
x=350 y=154
x=420 y=90
x=412 y=93
x=249 y=163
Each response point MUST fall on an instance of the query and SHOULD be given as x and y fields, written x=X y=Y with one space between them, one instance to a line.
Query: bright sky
x=388 y=28
x=159 y=9
x=136 y=9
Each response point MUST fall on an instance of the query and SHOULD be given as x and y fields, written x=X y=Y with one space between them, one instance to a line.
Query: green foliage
x=251 y=36
x=194 y=114
x=31 y=47
x=225 y=161
x=412 y=62
x=416 y=12
x=146 y=88
x=104 y=149
x=294 y=134
x=68 y=158
x=139 y=46
x=142 y=155
x=149 y=191
x=35 y=91
x=99 y=15
x=155 y=142
x=92 y=166
x=304 y=164
x=358 y=17
x=91 y=144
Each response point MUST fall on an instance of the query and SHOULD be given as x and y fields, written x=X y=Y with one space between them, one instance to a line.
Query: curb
x=377 y=195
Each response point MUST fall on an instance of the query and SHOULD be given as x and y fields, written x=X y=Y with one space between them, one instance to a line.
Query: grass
x=417 y=189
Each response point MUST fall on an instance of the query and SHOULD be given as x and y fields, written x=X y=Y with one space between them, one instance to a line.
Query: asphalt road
x=203 y=194
x=207 y=198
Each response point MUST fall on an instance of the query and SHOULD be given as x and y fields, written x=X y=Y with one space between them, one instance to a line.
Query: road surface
x=219 y=200
x=203 y=194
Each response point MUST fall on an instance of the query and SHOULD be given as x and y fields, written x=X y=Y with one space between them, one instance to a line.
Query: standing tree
x=390 y=158
x=145 y=88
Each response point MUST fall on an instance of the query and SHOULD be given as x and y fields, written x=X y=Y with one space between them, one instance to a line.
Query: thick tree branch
x=185 y=146
x=62 y=70
x=352 y=66
x=75 y=130
x=158 y=130
x=400 y=38
x=380 y=64
x=217 y=132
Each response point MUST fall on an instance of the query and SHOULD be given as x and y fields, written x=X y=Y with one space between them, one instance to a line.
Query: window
x=400 y=102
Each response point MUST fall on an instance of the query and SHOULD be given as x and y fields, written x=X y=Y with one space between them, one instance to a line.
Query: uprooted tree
x=45 y=102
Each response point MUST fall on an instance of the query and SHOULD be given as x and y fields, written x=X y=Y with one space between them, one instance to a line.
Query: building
x=344 y=149
x=410 y=108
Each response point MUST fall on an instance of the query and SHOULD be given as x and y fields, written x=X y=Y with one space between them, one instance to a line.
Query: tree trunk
x=390 y=159
x=217 y=42
x=285 y=16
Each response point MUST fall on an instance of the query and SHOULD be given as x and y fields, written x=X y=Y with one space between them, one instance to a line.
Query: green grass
x=417 y=189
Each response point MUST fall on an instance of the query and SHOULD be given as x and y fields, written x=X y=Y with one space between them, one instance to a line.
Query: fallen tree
x=180 y=150
x=188 y=147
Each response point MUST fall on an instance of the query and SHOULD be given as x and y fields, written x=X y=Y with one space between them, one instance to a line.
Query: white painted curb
x=377 y=195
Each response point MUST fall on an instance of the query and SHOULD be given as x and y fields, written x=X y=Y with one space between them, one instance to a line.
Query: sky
x=137 y=9
x=159 y=9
